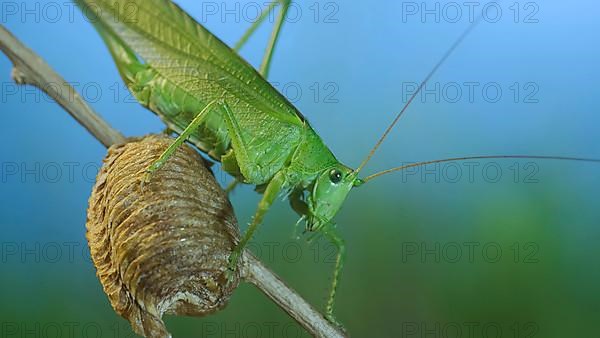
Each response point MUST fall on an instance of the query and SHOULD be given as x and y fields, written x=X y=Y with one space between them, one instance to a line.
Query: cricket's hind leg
x=266 y=62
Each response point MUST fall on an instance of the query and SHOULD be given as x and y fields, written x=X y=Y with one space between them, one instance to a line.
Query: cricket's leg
x=178 y=141
x=263 y=15
x=339 y=264
x=272 y=191
x=266 y=62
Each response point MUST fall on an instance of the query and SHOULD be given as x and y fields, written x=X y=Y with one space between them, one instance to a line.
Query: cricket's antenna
x=454 y=159
x=412 y=97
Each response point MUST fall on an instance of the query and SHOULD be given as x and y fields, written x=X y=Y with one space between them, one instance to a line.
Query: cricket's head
x=329 y=194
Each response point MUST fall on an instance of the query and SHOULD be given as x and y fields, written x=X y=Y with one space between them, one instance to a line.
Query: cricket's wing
x=187 y=54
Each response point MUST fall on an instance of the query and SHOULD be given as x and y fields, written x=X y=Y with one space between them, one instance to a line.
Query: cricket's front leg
x=272 y=191
x=334 y=238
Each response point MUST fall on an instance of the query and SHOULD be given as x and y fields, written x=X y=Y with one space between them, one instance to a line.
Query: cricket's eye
x=335 y=176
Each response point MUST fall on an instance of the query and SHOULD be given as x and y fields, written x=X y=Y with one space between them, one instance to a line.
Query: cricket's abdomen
x=177 y=109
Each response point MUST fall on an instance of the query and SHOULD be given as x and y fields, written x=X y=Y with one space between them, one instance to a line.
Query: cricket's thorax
x=310 y=158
